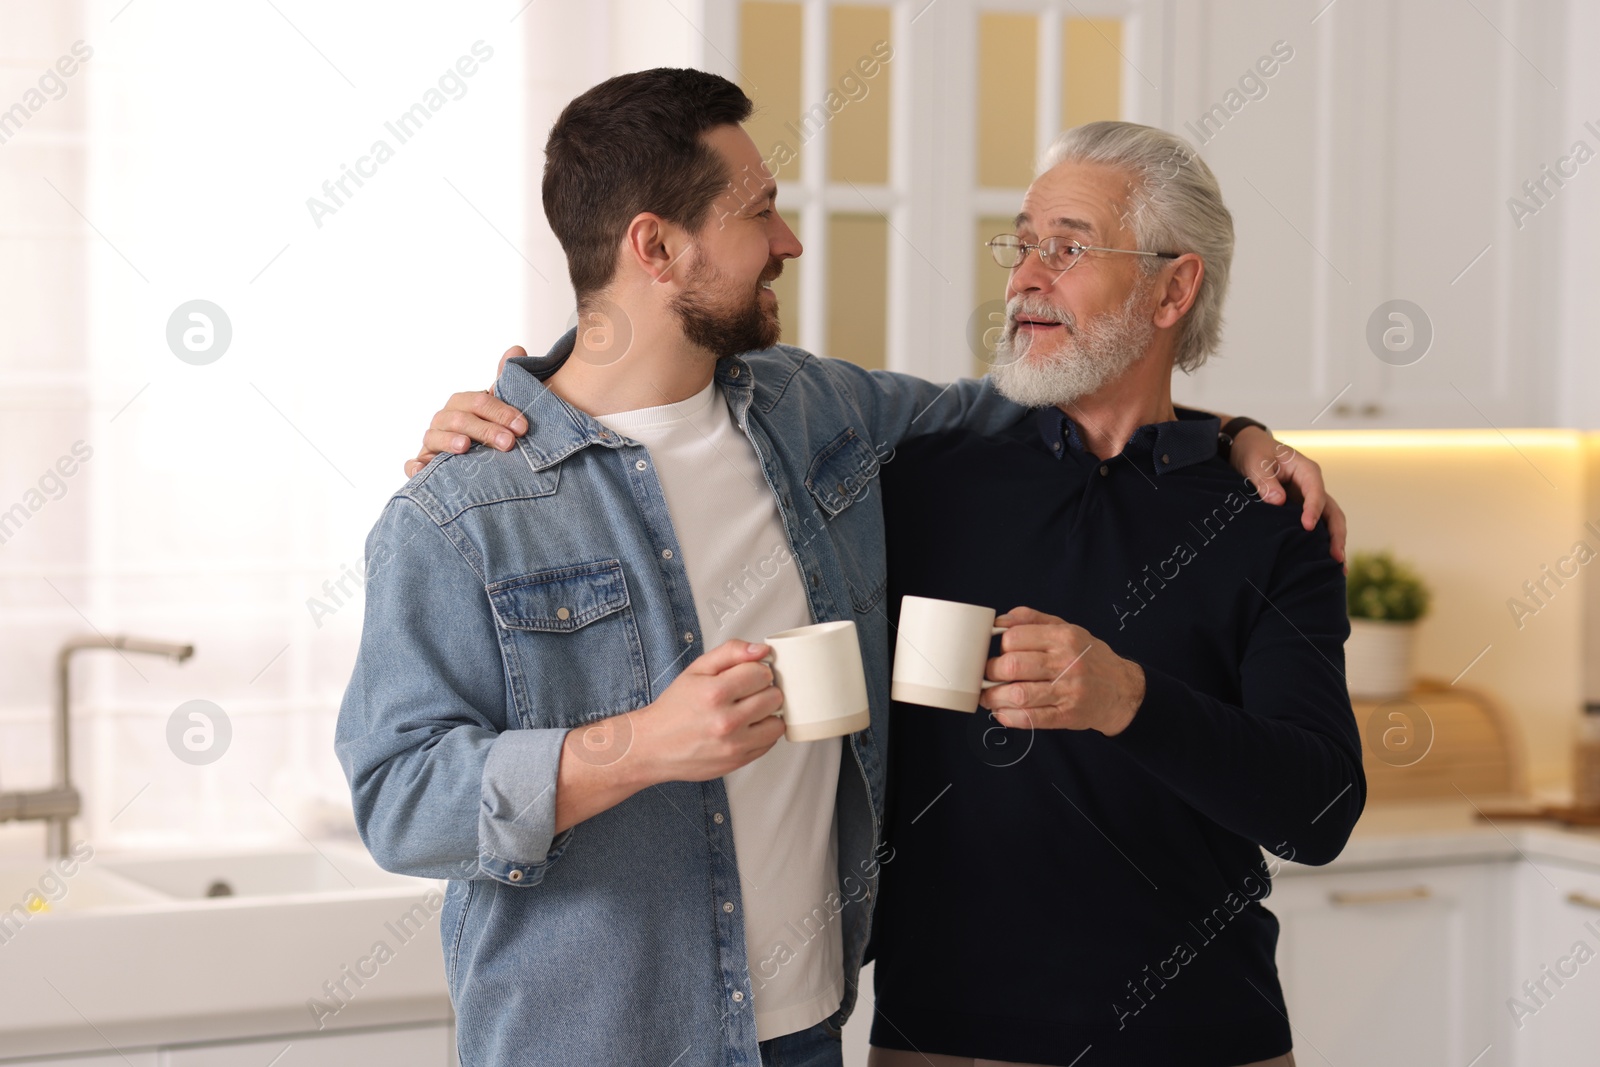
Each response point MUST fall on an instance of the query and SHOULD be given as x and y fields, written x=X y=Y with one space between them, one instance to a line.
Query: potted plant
x=1386 y=598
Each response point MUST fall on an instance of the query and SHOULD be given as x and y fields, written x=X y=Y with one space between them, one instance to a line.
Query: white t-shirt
x=746 y=585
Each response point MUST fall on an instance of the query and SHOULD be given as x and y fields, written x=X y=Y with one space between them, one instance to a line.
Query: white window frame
x=931 y=208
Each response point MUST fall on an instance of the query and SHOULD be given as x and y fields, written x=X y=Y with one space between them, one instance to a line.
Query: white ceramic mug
x=940 y=653
x=818 y=669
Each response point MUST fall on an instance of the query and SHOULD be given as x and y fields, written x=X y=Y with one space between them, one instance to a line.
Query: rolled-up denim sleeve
x=442 y=786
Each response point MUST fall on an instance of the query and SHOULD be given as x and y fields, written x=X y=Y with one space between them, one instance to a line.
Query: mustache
x=1038 y=309
x=773 y=271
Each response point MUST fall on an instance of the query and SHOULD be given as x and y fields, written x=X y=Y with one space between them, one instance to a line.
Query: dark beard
x=723 y=333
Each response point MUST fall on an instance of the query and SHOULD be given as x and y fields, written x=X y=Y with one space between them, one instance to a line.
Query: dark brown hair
x=633 y=144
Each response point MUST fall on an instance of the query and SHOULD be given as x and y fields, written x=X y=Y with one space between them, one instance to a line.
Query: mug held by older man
x=940 y=651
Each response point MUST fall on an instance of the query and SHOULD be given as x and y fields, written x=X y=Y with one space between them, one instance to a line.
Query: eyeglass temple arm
x=1132 y=252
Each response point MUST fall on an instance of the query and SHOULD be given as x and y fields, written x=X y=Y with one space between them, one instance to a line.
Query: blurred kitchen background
x=210 y=480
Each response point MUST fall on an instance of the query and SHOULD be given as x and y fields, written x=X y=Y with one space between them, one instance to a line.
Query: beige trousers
x=890 y=1057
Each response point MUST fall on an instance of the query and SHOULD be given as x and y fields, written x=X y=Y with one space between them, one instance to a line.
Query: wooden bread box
x=1439 y=741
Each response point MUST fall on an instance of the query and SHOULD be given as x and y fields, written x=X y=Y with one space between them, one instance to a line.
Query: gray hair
x=1175 y=205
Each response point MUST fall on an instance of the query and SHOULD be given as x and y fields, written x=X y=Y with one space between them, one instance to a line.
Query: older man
x=1078 y=874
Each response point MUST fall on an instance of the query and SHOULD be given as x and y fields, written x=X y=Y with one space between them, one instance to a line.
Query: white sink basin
x=40 y=891
x=133 y=944
x=260 y=874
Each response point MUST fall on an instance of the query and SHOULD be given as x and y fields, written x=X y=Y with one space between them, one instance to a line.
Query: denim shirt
x=515 y=596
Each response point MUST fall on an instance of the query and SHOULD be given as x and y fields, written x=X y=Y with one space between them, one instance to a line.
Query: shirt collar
x=1167 y=446
x=556 y=429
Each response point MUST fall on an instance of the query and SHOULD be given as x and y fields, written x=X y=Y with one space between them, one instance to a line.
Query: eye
x=767 y=214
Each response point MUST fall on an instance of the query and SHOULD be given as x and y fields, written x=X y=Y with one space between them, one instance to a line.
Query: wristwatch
x=1226 y=435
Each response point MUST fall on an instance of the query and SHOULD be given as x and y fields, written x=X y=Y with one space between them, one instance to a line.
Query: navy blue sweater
x=1063 y=897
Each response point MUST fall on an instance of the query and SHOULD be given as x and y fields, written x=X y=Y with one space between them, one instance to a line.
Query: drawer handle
x=1583 y=900
x=1387 y=896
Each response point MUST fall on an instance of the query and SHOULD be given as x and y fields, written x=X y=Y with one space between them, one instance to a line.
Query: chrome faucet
x=58 y=804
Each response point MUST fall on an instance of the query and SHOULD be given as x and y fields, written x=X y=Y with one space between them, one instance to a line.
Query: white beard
x=1093 y=353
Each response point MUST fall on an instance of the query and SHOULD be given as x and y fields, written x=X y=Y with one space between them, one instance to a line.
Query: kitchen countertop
x=1450 y=831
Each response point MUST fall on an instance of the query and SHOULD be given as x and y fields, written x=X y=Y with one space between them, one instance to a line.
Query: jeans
x=819 y=1046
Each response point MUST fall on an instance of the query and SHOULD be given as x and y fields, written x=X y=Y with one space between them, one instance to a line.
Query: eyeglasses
x=1056 y=253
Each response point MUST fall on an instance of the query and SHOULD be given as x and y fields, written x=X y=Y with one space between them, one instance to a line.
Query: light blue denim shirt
x=514 y=596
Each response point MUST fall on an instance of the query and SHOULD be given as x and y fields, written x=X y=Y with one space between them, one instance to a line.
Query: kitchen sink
x=39 y=890
x=329 y=869
x=289 y=945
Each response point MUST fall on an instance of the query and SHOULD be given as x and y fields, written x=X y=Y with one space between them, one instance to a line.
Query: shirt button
x=1104 y=470
x=688 y=637
x=727 y=906
x=515 y=876
x=1166 y=459
x=717 y=818
x=733 y=372
x=666 y=553
x=815 y=579
x=605 y=433
x=641 y=465
x=1056 y=446
x=563 y=614
x=738 y=997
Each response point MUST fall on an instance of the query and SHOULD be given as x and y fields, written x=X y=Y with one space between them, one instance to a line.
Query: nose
x=1030 y=276
x=784 y=244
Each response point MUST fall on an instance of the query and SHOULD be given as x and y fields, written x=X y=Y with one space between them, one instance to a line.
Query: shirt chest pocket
x=571 y=645
x=842 y=480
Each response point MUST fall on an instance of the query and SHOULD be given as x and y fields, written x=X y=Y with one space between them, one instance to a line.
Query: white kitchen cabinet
x=127 y=1058
x=1376 y=165
x=1551 y=996
x=427 y=1046
x=1395 y=966
x=415 y=1046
